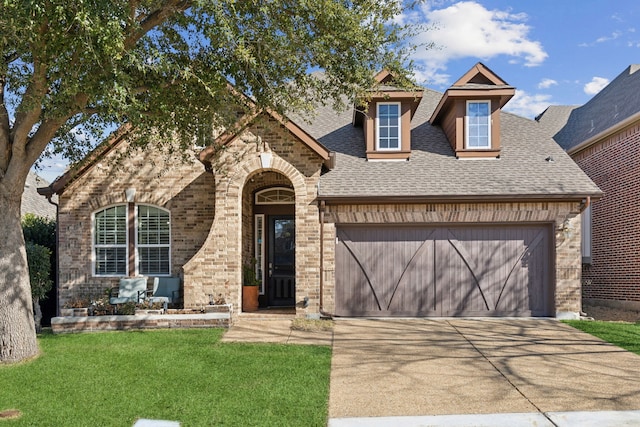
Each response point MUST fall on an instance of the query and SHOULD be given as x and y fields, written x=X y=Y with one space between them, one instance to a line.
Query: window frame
x=138 y=245
x=129 y=246
x=467 y=125
x=95 y=246
x=399 y=126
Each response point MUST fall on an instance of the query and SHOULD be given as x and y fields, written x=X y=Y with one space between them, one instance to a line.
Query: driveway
x=539 y=368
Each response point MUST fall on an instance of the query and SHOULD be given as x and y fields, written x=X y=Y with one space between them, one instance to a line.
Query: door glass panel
x=284 y=242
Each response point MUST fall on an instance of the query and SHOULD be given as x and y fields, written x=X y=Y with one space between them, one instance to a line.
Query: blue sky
x=552 y=51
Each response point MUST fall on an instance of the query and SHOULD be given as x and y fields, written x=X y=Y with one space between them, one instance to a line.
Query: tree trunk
x=17 y=328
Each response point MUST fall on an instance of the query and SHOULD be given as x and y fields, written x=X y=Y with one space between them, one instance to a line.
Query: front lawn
x=112 y=379
x=625 y=335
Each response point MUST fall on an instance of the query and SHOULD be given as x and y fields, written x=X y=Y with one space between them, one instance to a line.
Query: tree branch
x=30 y=108
x=155 y=18
x=48 y=128
x=5 y=129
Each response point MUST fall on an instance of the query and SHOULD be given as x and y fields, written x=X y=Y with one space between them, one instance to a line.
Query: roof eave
x=375 y=199
x=60 y=184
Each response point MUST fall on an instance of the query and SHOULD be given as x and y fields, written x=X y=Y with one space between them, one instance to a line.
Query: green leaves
x=165 y=64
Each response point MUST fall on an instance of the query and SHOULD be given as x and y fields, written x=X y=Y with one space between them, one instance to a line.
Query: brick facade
x=614 y=165
x=212 y=220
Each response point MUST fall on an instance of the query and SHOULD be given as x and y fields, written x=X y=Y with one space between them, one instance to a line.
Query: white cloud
x=467 y=29
x=595 y=85
x=547 y=83
x=526 y=105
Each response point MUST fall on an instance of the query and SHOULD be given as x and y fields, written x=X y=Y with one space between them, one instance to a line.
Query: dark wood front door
x=281 y=271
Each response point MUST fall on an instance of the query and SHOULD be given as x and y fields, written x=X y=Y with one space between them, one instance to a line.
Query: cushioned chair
x=129 y=290
x=165 y=290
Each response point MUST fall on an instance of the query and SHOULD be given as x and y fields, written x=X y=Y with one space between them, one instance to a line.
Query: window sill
x=388 y=155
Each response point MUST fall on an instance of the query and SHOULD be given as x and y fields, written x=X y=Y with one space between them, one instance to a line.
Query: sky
x=554 y=52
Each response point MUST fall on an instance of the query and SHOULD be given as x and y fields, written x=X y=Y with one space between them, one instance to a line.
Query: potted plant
x=250 y=288
x=76 y=306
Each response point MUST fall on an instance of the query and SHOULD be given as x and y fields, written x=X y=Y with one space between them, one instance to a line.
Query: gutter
x=373 y=199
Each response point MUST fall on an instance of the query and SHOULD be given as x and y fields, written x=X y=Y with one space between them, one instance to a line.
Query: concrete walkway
x=511 y=371
x=274 y=331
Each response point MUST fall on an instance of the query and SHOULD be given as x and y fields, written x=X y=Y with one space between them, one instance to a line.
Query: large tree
x=70 y=69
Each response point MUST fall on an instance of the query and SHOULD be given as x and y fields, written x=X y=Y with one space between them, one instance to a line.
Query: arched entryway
x=269 y=237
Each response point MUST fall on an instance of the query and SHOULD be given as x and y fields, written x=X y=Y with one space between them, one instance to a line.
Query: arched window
x=112 y=246
x=276 y=196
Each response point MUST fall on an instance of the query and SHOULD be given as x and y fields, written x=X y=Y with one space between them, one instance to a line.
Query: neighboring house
x=34 y=203
x=603 y=137
x=425 y=204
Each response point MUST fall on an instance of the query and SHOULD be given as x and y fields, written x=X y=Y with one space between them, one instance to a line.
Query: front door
x=281 y=272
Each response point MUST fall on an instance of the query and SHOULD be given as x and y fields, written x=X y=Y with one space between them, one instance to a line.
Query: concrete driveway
x=543 y=370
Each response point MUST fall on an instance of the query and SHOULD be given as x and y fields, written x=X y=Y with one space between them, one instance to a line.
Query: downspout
x=586 y=204
x=322 y=312
x=49 y=195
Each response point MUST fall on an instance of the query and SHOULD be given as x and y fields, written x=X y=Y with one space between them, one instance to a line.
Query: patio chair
x=129 y=290
x=165 y=290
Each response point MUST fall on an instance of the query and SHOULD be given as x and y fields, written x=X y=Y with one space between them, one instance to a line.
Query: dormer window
x=388 y=132
x=469 y=113
x=478 y=125
x=385 y=118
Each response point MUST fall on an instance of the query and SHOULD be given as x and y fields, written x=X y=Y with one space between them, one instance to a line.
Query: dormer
x=469 y=113
x=386 y=120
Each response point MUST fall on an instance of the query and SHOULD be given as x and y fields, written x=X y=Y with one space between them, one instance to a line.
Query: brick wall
x=183 y=188
x=217 y=268
x=614 y=165
x=564 y=217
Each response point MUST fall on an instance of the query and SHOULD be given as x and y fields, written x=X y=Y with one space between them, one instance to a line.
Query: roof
x=34 y=203
x=433 y=172
x=616 y=104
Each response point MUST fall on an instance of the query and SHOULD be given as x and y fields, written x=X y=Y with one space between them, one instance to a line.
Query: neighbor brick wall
x=614 y=165
x=563 y=215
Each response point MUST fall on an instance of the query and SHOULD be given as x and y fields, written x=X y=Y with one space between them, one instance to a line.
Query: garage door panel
x=458 y=288
x=450 y=271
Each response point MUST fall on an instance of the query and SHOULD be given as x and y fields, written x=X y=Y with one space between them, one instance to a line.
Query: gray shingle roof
x=433 y=170
x=34 y=203
x=616 y=102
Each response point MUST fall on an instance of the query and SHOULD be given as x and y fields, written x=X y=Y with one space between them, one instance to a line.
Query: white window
x=478 y=125
x=154 y=237
x=276 y=196
x=388 y=130
x=110 y=241
x=111 y=244
x=585 y=229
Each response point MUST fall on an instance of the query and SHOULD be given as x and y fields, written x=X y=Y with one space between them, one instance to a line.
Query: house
x=421 y=204
x=32 y=202
x=602 y=136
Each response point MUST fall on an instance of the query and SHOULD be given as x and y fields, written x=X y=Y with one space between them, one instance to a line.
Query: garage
x=489 y=270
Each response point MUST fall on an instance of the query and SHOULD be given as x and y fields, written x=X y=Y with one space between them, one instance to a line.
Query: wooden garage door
x=443 y=271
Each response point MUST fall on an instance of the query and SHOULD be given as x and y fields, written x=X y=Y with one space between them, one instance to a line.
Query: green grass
x=625 y=335
x=112 y=379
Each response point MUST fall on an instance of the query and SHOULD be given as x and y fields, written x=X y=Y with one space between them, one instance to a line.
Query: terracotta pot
x=250 y=298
